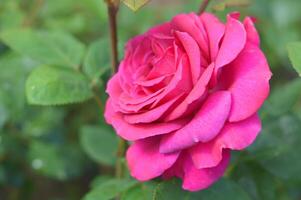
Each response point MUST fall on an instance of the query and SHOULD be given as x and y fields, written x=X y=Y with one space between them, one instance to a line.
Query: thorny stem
x=113 y=6
x=203 y=6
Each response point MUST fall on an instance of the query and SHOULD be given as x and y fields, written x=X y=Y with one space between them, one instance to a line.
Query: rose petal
x=144 y=160
x=190 y=24
x=198 y=179
x=193 y=52
x=196 y=93
x=252 y=34
x=138 y=131
x=151 y=115
x=215 y=31
x=205 y=125
x=233 y=42
x=247 y=78
x=234 y=136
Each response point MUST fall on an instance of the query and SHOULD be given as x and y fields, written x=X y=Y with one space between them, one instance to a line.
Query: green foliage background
x=55 y=53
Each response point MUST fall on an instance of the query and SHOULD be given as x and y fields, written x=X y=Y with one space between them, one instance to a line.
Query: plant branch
x=112 y=14
x=113 y=6
x=33 y=13
x=203 y=6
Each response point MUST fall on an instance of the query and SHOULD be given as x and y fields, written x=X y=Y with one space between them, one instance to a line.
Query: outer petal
x=138 y=131
x=203 y=127
x=233 y=42
x=197 y=179
x=252 y=35
x=247 y=78
x=144 y=160
x=235 y=136
x=215 y=30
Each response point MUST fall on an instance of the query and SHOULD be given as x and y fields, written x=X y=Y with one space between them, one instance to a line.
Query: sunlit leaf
x=135 y=4
x=294 y=52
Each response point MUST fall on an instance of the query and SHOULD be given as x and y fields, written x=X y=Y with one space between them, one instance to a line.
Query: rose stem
x=113 y=6
x=203 y=6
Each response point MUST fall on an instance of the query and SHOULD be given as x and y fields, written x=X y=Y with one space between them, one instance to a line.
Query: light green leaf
x=109 y=189
x=97 y=58
x=142 y=191
x=50 y=48
x=55 y=85
x=294 y=52
x=135 y=4
x=100 y=143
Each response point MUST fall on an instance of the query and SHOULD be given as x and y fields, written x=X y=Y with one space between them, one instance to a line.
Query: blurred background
x=60 y=153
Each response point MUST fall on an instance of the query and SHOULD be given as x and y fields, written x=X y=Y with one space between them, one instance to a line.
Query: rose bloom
x=187 y=93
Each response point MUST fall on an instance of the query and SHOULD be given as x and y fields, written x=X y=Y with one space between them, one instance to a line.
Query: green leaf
x=135 y=4
x=223 y=189
x=3 y=115
x=100 y=143
x=284 y=98
x=294 y=52
x=259 y=183
x=54 y=85
x=60 y=162
x=96 y=60
x=278 y=147
x=110 y=189
x=142 y=191
x=50 y=48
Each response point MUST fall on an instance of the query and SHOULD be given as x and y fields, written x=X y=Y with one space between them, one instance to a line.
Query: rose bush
x=187 y=93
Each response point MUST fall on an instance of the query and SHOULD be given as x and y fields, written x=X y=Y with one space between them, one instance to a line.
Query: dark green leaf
x=278 y=147
x=54 y=85
x=284 y=98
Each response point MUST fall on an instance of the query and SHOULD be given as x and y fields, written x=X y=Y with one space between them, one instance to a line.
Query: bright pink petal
x=252 y=35
x=138 y=131
x=234 y=136
x=196 y=93
x=193 y=52
x=215 y=31
x=247 y=78
x=233 y=42
x=205 y=125
x=151 y=115
x=190 y=23
x=144 y=160
x=198 y=179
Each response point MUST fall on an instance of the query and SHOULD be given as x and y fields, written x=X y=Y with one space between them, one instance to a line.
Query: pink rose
x=187 y=93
